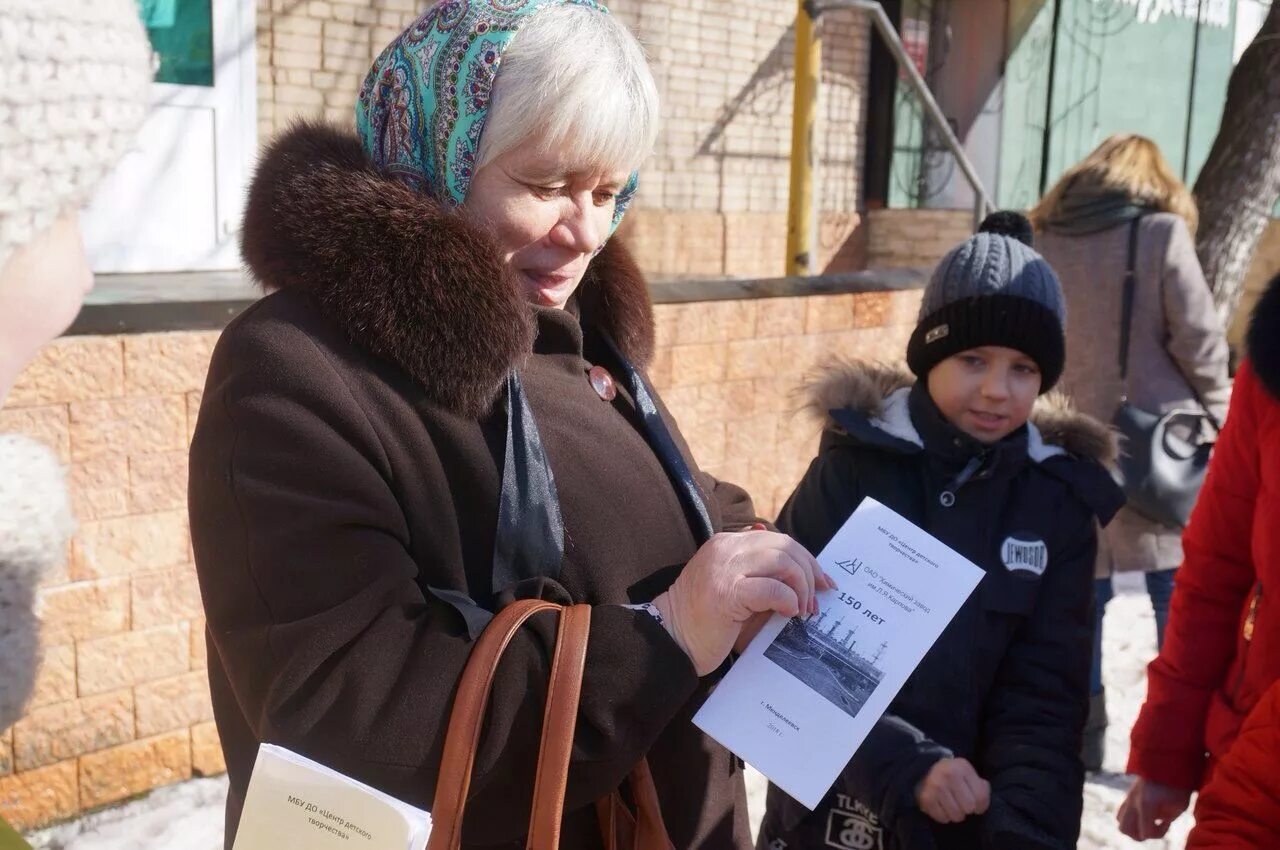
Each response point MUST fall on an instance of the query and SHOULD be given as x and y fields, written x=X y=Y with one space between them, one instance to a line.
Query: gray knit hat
x=74 y=80
x=993 y=289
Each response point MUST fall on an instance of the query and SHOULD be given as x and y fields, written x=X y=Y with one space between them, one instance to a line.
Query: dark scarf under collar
x=408 y=280
x=1088 y=209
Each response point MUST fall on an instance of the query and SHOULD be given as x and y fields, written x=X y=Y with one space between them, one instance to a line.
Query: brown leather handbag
x=623 y=827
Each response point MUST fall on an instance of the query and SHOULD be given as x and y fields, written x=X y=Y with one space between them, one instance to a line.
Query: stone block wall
x=122 y=700
x=732 y=373
x=121 y=704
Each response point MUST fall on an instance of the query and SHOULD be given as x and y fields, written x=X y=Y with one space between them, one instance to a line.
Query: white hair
x=575 y=80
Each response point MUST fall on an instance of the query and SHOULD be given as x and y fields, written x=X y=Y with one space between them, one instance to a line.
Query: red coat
x=1240 y=806
x=1222 y=646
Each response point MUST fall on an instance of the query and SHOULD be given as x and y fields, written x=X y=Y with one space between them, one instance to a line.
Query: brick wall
x=907 y=238
x=122 y=701
x=730 y=371
x=121 y=704
x=713 y=197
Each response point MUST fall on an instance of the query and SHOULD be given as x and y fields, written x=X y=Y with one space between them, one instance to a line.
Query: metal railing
x=800 y=214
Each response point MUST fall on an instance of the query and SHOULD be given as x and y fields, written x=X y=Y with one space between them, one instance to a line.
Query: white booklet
x=804 y=695
x=294 y=803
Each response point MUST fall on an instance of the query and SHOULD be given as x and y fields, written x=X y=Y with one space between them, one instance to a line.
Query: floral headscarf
x=425 y=101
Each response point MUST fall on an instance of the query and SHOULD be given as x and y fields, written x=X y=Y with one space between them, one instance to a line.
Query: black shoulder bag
x=1163 y=457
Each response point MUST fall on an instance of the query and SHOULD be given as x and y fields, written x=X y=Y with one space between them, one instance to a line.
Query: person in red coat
x=1240 y=806
x=1222 y=651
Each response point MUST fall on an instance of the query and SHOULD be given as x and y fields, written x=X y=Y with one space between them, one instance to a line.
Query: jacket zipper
x=1246 y=632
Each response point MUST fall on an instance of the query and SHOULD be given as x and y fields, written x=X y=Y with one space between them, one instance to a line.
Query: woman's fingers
x=761 y=593
x=777 y=555
x=777 y=565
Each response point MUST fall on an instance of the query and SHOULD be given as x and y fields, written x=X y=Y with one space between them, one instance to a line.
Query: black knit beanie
x=993 y=289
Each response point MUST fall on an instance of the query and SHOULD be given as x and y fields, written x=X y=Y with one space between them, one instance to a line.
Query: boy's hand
x=952 y=790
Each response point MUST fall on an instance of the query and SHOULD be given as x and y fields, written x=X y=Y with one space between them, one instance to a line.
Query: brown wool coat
x=348 y=457
x=1178 y=342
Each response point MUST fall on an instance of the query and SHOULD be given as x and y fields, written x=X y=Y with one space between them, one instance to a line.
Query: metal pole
x=800 y=224
x=982 y=203
x=1047 y=142
x=1191 y=95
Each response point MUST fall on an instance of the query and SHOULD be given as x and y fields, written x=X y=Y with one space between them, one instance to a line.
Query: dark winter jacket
x=345 y=479
x=1222 y=646
x=1006 y=684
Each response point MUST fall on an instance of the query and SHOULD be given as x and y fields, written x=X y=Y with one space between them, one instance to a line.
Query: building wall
x=713 y=196
x=122 y=701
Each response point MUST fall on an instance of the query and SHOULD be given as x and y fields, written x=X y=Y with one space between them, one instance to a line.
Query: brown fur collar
x=863 y=387
x=408 y=280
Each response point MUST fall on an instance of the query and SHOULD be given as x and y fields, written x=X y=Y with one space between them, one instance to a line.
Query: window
x=181 y=32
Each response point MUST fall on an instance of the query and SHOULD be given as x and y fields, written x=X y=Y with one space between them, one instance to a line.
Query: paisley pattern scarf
x=425 y=101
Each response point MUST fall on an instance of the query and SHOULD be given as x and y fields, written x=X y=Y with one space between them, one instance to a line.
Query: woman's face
x=548 y=215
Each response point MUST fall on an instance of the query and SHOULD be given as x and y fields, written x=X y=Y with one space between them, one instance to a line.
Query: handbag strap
x=1126 y=327
x=558 y=721
x=467 y=717
x=621 y=828
x=1126 y=304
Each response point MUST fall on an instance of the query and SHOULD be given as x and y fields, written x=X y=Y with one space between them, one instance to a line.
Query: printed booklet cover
x=294 y=803
x=805 y=694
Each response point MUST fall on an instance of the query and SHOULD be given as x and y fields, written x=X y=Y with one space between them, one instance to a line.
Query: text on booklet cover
x=294 y=803
x=806 y=693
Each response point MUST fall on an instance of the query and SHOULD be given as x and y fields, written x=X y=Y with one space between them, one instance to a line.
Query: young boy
x=980 y=749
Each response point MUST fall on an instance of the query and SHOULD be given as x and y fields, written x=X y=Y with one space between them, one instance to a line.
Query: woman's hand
x=952 y=790
x=1150 y=808
x=729 y=580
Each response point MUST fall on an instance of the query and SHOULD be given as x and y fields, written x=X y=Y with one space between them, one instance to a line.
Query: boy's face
x=986 y=392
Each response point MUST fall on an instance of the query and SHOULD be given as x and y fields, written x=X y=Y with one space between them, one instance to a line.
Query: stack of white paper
x=294 y=803
x=804 y=696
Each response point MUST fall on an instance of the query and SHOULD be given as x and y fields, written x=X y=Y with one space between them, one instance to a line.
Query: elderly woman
x=442 y=407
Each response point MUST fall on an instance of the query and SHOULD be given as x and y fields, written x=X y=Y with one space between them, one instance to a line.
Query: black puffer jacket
x=1006 y=684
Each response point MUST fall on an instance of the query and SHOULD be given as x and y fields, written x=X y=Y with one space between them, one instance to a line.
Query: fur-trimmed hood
x=878 y=392
x=1264 y=338
x=409 y=280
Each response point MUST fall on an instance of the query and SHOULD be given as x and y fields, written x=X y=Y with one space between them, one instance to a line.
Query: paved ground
x=189 y=816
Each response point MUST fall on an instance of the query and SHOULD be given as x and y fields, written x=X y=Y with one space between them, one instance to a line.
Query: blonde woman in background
x=1177 y=350
x=74 y=76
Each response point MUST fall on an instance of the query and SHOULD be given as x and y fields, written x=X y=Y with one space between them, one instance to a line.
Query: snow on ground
x=1128 y=644
x=189 y=816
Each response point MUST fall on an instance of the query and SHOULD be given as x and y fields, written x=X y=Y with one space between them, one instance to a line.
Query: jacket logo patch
x=1024 y=552
x=940 y=332
x=853 y=826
